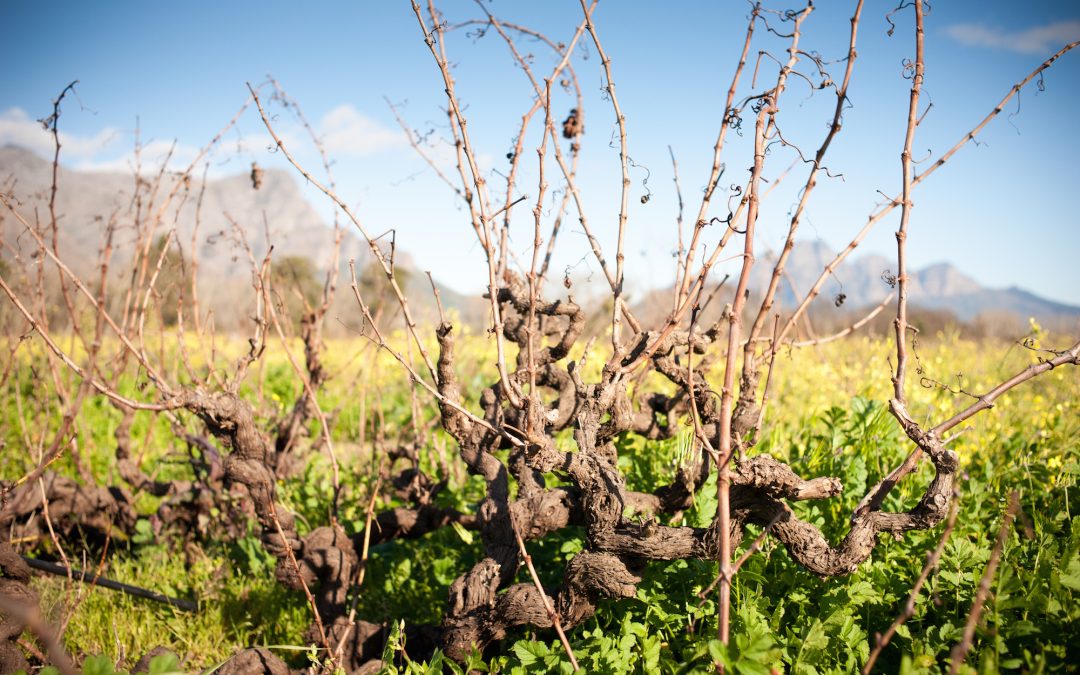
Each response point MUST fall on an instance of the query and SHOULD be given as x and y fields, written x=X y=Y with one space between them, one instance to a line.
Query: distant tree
x=296 y=287
x=373 y=284
x=169 y=287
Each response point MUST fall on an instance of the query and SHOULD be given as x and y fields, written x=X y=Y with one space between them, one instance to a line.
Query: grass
x=241 y=604
x=825 y=418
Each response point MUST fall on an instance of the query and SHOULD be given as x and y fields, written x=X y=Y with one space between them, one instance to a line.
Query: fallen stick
x=60 y=570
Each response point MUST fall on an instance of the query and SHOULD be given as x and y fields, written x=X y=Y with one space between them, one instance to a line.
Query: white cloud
x=105 y=150
x=1038 y=40
x=152 y=155
x=18 y=128
x=347 y=131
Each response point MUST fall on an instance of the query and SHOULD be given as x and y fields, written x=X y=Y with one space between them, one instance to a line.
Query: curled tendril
x=727 y=221
x=645 y=181
x=1014 y=114
x=1031 y=343
x=930 y=383
x=733 y=118
x=888 y=17
x=908 y=69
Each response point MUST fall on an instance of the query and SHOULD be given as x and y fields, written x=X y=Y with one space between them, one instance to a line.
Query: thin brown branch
x=361 y=568
x=807 y=190
x=850 y=329
x=1069 y=356
x=960 y=651
x=381 y=342
x=409 y=134
x=33 y=620
x=906 y=206
x=620 y=120
x=701 y=221
x=932 y=560
x=481 y=220
x=767 y=112
x=372 y=245
x=168 y=404
x=876 y=495
x=313 y=401
x=303 y=584
x=552 y=614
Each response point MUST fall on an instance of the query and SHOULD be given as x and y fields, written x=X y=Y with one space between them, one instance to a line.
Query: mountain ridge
x=276 y=212
x=208 y=221
x=868 y=279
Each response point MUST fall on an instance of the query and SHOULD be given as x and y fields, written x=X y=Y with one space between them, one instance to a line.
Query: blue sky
x=1002 y=211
